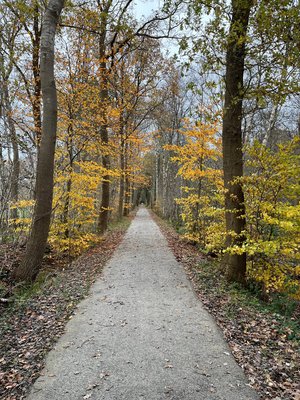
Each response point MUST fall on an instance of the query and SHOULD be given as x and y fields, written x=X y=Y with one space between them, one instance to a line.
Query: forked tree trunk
x=30 y=265
x=232 y=137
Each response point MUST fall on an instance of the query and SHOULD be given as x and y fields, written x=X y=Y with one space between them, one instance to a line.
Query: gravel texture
x=142 y=334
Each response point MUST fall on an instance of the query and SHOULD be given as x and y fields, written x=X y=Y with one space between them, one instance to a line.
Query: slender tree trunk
x=232 y=137
x=156 y=191
x=122 y=167
x=14 y=189
x=105 y=193
x=127 y=184
x=122 y=181
x=30 y=265
x=67 y=206
x=277 y=102
x=36 y=101
x=65 y=216
x=127 y=197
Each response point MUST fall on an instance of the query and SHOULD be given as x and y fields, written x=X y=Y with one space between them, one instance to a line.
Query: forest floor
x=141 y=334
x=263 y=337
x=36 y=318
x=263 y=340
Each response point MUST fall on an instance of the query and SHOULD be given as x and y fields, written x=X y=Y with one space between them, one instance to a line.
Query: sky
x=144 y=8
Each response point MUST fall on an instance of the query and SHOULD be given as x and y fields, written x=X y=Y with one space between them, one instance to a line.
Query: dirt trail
x=142 y=334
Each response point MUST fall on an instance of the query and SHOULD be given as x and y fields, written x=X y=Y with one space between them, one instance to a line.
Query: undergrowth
x=211 y=280
x=49 y=275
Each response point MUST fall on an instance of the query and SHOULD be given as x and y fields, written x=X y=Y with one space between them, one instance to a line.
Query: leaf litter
x=29 y=328
x=259 y=342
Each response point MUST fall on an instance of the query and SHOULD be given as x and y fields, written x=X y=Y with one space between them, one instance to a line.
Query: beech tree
x=135 y=82
x=232 y=136
x=123 y=112
x=37 y=241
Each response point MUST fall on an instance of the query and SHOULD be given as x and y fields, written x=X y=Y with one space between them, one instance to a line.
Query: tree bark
x=127 y=184
x=105 y=193
x=127 y=197
x=232 y=137
x=122 y=179
x=36 y=101
x=14 y=188
x=30 y=265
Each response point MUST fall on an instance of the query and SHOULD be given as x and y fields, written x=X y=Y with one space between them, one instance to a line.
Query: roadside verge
x=264 y=338
x=31 y=325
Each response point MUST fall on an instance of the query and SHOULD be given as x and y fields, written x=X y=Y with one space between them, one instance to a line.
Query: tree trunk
x=65 y=218
x=14 y=189
x=127 y=184
x=105 y=193
x=30 y=265
x=232 y=137
x=36 y=101
x=127 y=197
x=122 y=181
x=66 y=209
x=122 y=168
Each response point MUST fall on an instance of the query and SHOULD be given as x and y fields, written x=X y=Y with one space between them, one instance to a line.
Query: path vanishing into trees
x=142 y=334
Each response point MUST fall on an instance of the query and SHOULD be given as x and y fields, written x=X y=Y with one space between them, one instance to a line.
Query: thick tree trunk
x=30 y=265
x=232 y=137
x=105 y=192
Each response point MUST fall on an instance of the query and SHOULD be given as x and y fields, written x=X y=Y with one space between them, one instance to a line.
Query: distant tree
x=8 y=35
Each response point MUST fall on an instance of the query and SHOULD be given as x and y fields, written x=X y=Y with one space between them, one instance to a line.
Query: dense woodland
x=192 y=109
x=189 y=108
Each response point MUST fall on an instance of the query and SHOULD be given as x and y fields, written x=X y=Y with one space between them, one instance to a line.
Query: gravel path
x=142 y=334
